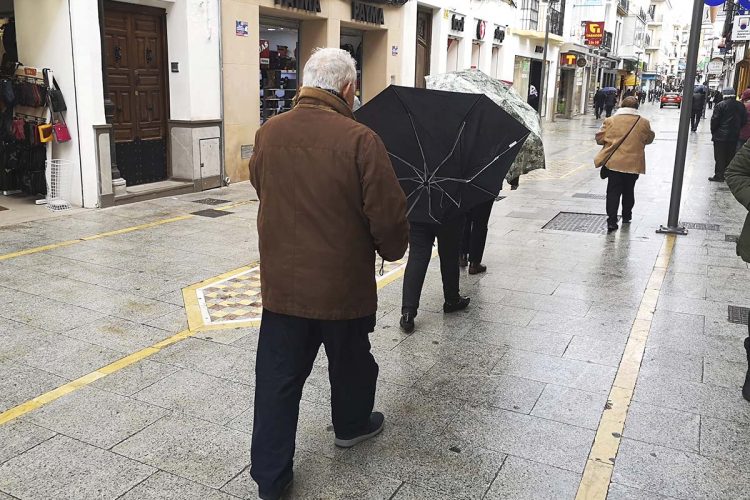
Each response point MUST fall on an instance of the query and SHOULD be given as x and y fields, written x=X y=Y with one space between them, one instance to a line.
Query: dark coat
x=717 y=97
x=728 y=118
x=599 y=97
x=610 y=99
x=738 y=179
x=329 y=199
x=699 y=101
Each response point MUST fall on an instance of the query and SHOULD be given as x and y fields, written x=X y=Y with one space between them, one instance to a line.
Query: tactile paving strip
x=237 y=299
x=579 y=223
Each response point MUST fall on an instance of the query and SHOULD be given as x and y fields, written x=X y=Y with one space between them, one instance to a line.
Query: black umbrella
x=450 y=150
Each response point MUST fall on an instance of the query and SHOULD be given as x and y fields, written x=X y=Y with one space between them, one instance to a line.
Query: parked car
x=671 y=99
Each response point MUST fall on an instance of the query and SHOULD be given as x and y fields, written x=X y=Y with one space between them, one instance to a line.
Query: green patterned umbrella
x=531 y=156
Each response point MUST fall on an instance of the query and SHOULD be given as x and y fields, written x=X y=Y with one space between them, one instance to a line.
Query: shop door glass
x=475 y=48
x=279 y=46
x=424 y=42
x=452 y=64
x=352 y=41
x=494 y=70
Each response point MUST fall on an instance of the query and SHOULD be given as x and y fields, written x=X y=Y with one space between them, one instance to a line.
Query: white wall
x=43 y=32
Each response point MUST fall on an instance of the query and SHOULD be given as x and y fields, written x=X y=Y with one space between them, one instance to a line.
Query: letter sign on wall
x=568 y=59
x=457 y=23
x=308 y=5
x=594 y=33
x=367 y=13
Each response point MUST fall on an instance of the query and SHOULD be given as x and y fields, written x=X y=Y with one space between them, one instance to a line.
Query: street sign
x=715 y=66
x=594 y=33
x=741 y=29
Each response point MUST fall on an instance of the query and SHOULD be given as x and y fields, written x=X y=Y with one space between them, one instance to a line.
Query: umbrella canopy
x=531 y=156
x=450 y=151
x=609 y=90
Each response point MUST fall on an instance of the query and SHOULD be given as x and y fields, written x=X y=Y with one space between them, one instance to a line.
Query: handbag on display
x=61 y=132
x=45 y=133
x=54 y=94
x=18 y=127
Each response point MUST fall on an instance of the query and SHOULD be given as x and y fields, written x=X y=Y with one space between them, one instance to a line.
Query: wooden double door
x=135 y=67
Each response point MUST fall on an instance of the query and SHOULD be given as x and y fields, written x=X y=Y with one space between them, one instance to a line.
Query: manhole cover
x=733 y=238
x=700 y=225
x=738 y=314
x=591 y=196
x=579 y=223
x=211 y=201
x=210 y=212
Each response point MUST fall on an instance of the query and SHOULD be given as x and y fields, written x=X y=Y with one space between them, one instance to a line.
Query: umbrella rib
x=420 y=191
x=458 y=205
x=414 y=128
x=412 y=179
x=453 y=149
x=416 y=170
x=511 y=146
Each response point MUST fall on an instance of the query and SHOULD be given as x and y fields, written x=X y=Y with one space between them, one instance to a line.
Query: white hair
x=330 y=69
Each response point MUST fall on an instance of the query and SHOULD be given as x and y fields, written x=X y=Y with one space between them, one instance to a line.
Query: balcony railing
x=555 y=22
x=607 y=42
x=642 y=15
x=623 y=6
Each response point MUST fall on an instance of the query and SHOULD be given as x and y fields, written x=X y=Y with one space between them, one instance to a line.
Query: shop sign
x=499 y=34
x=308 y=5
x=481 y=30
x=568 y=59
x=741 y=29
x=265 y=53
x=242 y=28
x=367 y=13
x=457 y=22
x=716 y=66
x=594 y=33
x=581 y=62
x=394 y=50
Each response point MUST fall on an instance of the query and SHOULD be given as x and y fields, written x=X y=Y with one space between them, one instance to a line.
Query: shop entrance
x=279 y=47
x=565 y=96
x=352 y=41
x=135 y=68
x=535 y=83
x=424 y=42
x=452 y=63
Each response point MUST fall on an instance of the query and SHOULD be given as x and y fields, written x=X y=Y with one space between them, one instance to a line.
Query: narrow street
x=128 y=341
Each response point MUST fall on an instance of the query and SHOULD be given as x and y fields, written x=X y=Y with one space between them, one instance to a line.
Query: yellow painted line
x=597 y=474
x=116 y=232
x=90 y=378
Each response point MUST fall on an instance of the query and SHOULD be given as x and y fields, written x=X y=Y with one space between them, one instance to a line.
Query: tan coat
x=329 y=199
x=630 y=157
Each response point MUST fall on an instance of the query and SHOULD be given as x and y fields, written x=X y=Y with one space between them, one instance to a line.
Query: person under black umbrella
x=475 y=237
x=451 y=152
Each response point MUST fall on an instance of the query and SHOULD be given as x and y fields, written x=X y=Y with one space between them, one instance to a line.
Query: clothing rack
x=30 y=118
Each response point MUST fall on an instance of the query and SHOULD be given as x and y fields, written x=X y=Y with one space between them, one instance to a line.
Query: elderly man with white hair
x=329 y=200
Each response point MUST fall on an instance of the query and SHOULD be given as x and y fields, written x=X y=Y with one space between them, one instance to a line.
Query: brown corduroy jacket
x=630 y=156
x=329 y=200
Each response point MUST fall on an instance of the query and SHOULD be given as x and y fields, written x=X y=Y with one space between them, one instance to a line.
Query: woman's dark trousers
x=475 y=232
x=620 y=185
x=421 y=238
x=287 y=348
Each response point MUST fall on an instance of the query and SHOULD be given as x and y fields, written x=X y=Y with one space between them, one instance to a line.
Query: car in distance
x=671 y=99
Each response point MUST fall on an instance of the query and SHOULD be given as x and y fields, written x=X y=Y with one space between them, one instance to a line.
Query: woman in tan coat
x=624 y=137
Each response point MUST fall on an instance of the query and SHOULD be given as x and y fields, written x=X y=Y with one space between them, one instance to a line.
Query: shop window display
x=352 y=41
x=279 y=46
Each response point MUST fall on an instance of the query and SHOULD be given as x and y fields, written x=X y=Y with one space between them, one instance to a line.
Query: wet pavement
x=113 y=384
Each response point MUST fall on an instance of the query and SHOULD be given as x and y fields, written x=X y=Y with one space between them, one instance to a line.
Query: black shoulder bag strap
x=604 y=164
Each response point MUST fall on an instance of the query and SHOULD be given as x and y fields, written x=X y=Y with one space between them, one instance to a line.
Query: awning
x=575 y=49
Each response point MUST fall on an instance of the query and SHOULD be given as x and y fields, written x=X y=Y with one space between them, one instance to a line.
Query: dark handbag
x=7 y=93
x=54 y=94
x=604 y=171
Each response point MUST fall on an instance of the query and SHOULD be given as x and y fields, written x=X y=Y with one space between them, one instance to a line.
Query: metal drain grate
x=700 y=225
x=738 y=314
x=211 y=201
x=591 y=196
x=733 y=238
x=579 y=223
x=210 y=212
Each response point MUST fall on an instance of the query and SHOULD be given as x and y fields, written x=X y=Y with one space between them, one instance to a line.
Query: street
x=128 y=340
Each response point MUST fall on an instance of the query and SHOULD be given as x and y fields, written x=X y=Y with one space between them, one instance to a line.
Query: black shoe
x=612 y=227
x=716 y=178
x=407 y=322
x=278 y=496
x=459 y=305
x=477 y=269
x=463 y=260
x=746 y=387
x=374 y=427
x=626 y=221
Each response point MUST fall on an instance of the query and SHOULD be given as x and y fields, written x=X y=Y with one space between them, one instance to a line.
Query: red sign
x=265 y=53
x=594 y=33
x=568 y=59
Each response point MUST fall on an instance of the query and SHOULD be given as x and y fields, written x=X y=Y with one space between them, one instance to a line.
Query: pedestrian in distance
x=329 y=199
x=745 y=131
x=624 y=138
x=738 y=180
x=609 y=103
x=699 y=100
x=598 y=102
x=475 y=237
x=727 y=120
x=718 y=97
